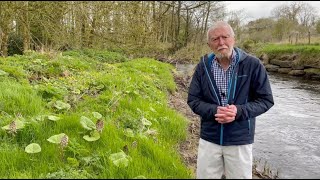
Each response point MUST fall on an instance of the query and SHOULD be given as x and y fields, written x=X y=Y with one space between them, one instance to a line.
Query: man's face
x=221 y=42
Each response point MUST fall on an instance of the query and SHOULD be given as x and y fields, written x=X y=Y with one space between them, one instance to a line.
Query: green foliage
x=56 y=139
x=120 y=159
x=3 y=73
x=16 y=72
x=18 y=125
x=17 y=98
x=147 y=50
x=69 y=173
x=33 y=148
x=318 y=26
x=48 y=91
x=307 y=54
x=313 y=71
x=131 y=94
x=286 y=48
x=102 y=56
x=94 y=135
x=191 y=53
x=248 y=45
x=87 y=123
x=15 y=45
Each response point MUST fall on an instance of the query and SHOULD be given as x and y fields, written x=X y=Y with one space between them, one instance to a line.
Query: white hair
x=220 y=24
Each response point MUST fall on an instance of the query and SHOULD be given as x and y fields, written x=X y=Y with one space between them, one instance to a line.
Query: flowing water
x=288 y=135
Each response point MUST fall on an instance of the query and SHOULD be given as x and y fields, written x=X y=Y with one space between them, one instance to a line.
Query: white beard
x=221 y=56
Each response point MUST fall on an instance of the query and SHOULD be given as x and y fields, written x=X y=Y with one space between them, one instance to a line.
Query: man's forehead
x=216 y=34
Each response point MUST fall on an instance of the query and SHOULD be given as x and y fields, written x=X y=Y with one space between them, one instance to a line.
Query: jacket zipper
x=215 y=93
x=228 y=96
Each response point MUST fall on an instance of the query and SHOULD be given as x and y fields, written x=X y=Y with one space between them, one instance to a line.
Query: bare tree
x=6 y=25
x=237 y=19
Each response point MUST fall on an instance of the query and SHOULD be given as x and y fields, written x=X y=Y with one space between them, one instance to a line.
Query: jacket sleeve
x=196 y=99
x=261 y=98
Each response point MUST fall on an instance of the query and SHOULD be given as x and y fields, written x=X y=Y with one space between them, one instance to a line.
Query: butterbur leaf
x=33 y=148
x=142 y=135
x=94 y=135
x=56 y=139
x=40 y=118
x=151 y=132
x=145 y=122
x=62 y=105
x=3 y=73
x=99 y=87
x=128 y=132
x=87 y=123
x=120 y=159
x=53 y=118
x=97 y=115
x=136 y=92
x=18 y=125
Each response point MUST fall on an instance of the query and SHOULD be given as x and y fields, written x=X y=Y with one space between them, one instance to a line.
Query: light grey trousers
x=215 y=160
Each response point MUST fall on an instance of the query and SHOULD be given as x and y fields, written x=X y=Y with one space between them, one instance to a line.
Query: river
x=288 y=135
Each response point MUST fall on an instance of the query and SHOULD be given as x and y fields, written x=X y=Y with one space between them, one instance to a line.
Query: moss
x=312 y=71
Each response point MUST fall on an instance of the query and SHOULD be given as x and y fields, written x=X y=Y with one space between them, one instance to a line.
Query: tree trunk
x=4 y=47
x=177 y=37
x=186 y=32
x=206 y=22
x=26 y=27
x=92 y=31
x=83 y=29
x=172 y=22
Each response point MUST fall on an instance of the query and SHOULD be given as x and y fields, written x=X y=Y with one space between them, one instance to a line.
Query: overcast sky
x=259 y=9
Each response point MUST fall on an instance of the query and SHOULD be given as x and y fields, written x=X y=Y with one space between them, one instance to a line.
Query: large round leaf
x=3 y=73
x=19 y=125
x=120 y=159
x=97 y=115
x=87 y=123
x=56 y=139
x=94 y=135
x=33 y=148
x=61 y=105
x=128 y=132
x=146 y=122
x=53 y=118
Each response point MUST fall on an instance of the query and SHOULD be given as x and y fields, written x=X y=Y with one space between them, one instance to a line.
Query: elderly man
x=229 y=89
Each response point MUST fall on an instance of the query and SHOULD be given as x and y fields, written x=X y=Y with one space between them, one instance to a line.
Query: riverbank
x=295 y=60
x=188 y=149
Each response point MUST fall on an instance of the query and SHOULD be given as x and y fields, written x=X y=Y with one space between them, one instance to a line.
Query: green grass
x=130 y=96
x=100 y=55
x=274 y=48
x=19 y=98
x=307 y=54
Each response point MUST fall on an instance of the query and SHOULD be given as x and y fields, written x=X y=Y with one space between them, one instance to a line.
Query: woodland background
x=144 y=28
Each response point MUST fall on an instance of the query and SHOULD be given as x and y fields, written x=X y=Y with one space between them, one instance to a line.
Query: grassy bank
x=306 y=54
x=90 y=115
